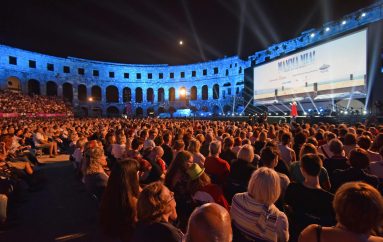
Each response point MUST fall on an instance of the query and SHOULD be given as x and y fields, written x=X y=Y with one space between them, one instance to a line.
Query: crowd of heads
x=16 y=102
x=204 y=180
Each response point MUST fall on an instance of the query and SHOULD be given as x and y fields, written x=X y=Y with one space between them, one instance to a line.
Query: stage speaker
x=351 y=77
x=276 y=92
x=315 y=87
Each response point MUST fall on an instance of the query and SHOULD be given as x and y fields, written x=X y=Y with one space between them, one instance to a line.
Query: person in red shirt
x=217 y=168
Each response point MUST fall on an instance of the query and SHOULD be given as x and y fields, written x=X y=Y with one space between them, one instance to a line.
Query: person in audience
x=118 y=212
x=269 y=158
x=156 y=209
x=287 y=154
x=364 y=142
x=308 y=202
x=296 y=173
x=95 y=178
x=376 y=168
x=227 y=153
x=41 y=141
x=338 y=160
x=240 y=172
x=217 y=168
x=158 y=170
x=209 y=223
x=194 y=147
x=349 y=143
x=325 y=148
x=359 y=212
x=202 y=190
x=253 y=213
x=359 y=162
x=118 y=149
x=167 y=147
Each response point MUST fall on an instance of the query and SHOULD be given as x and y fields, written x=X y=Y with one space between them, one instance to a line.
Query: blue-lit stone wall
x=227 y=73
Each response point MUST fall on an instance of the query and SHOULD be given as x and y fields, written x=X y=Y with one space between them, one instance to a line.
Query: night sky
x=148 y=31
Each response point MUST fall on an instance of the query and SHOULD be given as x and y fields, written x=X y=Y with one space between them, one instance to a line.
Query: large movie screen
x=336 y=68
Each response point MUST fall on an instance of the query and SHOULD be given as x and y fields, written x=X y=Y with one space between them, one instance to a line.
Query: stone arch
x=193 y=93
x=112 y=111
x=172 y=94
x=96 y=93
x=215 y=91
x=126 y=94
x=51 y=88
x=82 y=93
x=205 y=92
x=182 y=94
x=13 y=83
x=96 y=112
x=84 y=112
x=139 y=111
x=33 y=87
x=161 y=95
x=150 y=95
x=68 y=91
x=139 y=97
x=112 y=94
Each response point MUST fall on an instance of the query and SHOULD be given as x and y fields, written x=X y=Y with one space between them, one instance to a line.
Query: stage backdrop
x=335 y=67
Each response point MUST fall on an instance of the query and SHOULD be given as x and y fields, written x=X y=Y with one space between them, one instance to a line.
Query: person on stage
x=294 y=110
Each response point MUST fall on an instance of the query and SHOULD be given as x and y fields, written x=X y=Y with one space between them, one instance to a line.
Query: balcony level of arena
x=102 y=88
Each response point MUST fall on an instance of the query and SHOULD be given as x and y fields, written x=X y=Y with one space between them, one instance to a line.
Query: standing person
x=167 y=147
x=118 y=213
x=156 y=208
x=294 y=111
x=354 y=223
x=253 y=213
x=194 y=147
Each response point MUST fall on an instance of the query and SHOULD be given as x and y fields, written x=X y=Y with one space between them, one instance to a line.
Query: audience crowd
x=201 y=180
x=17 y=102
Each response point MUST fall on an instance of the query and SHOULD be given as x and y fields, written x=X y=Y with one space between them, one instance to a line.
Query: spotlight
x=312 y=35
x=181 y=42
x=345 y=112
x=269 y=114
x=304 y=113
x=363 y=15
x=285 y=114
x=344 y=22
x=365 y=112
x=327 y=29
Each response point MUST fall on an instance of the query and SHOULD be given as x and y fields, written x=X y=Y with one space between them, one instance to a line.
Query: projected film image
x=335 y=68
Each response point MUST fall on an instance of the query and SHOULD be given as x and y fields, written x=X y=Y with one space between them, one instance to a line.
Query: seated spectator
x=158 y=170
x=254 y=216
x=376 y=168
x=118 y=213
x=202 y=190
x=156 y=208
x=308 y=202
x=166 y=146
x=269 y=158
x=118 y=149
x=194 y=147
x=349 y=143
x=95 y=178
x=325 y=148
x=227 y=153
x=354 y=223
x=338 y=160
x=364 y=142
x=287 y=154
x=209 y=223
x=217 y=168
x=296 y=173
x=41 y=141
x=359 y=162
x=240 y=172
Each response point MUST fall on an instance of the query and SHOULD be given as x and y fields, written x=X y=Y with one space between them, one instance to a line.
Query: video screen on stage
x=335 y=68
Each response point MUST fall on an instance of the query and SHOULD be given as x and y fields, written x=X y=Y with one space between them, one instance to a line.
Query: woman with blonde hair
x=194 y=147
x=253 y=213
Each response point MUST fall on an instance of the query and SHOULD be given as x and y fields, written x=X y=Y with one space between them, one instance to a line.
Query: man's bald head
x=209 y=223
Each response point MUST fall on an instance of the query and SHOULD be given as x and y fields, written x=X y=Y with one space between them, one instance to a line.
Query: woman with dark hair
x=176 y=180
x=118 y=214
x=156 y=208
x=359 y=212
